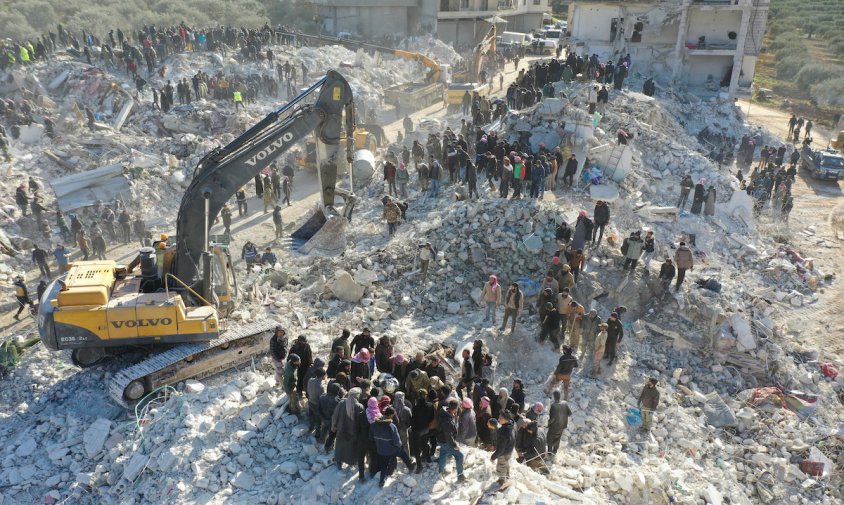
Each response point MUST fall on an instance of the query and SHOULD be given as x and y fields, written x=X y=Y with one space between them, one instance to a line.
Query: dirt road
x=816 y=228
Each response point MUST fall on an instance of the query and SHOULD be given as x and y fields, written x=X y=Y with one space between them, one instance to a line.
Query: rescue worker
x=226 y=215
x=238 y=100
x=22 y=296
x=249 y=254
x=242 y=205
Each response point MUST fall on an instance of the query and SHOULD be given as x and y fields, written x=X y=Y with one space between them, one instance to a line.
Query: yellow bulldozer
x=175 y=304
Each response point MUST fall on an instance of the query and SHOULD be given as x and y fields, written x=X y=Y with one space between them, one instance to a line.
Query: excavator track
x=191 y=361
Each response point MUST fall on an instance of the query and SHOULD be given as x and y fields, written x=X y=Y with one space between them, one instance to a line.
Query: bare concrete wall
x=714 y=25
x=700 y=67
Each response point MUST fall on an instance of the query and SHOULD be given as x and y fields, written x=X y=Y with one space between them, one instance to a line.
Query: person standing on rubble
x=82 y=242
x=558 y=421
x=242 y=205
x=634 y=247
x=601 y=217
x=434 y=173
x=685 y=188
x=392 y=214
x=226 y=215
x=513 y=305
x=249 y=254
x=699 y=196
x=277 y=222
x=21 y=198
x=39 y=257
x=140 y=229
x=709 y=206
x=648 y=402
x=292 y=372
x=571 y=169
x=592 y=99
x=125 y=222
x=505 y=444
x=666 y=274
x=600 y=347
x=565 y=367
x=426 y=253
x=237 y=98
x=491 y=296
x=684 y=260
x=615 y=332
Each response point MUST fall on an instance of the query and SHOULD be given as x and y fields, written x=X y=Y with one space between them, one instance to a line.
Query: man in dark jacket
x=362 y=340
x=648 y=402
x=422 y=415
x=386 y=436
x=467 y=374
x=343 y=340
x=334 y=363
x=278 y=351
x=558 y=421
x=666 y=274
x=39 y=257
x=315 y=392
x=571 y=169
x=447 y=438
x=505 y=444
x=327 y=403
x=615 y=332
x=530 y=446
x=601 y=220
x=478 y=358
x=565 y=367
x=302 y=348
x=435 y=368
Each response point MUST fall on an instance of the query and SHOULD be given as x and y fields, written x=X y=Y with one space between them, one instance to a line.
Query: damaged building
x=708 y=45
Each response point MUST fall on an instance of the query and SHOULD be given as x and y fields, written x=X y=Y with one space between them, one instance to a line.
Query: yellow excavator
x=176 y=303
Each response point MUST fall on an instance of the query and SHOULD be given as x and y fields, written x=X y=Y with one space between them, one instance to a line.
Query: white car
x=544 y=46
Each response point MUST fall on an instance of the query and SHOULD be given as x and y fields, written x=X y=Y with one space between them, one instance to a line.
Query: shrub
x=788 y=67
x=814 y=73
x=829 y=93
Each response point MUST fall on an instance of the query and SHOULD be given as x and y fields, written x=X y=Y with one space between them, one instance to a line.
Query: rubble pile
x=745 y=416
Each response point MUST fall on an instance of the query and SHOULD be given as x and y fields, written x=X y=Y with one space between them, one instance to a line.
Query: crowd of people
x=371 y=404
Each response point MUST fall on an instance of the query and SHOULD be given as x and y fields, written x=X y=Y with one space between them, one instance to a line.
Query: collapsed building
x=704 y=44
x=746 y=416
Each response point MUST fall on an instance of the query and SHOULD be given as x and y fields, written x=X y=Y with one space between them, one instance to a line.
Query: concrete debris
x=232 y=437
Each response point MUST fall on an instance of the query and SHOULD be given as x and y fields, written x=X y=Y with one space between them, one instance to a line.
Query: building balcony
x=461 y=9
x=714 y=49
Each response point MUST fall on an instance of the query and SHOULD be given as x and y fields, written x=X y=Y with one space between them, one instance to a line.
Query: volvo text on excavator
x=178 y=305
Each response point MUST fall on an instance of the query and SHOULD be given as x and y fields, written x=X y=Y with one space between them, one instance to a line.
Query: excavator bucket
x=322 y=235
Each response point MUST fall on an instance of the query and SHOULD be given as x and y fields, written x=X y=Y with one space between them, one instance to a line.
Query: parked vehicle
x=822 y=164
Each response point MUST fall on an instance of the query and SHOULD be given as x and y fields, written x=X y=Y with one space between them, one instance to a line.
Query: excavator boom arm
x=225 y=170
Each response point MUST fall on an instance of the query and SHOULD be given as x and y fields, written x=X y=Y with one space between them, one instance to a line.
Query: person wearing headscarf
x=491 y=295
x=344 y=423
x=373 y=411
x=467 y=430
x=400 y=368
x=404 y=414
x=582 y=231
x=360 y=367
x=481 y=419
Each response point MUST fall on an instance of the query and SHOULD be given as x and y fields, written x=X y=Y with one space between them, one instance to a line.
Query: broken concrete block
x=745 y=341
x=344 y=287
x=31 y=134
x=95 y=436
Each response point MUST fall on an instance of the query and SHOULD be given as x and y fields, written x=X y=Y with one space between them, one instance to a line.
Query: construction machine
x=473 y=72
x=178 y=300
